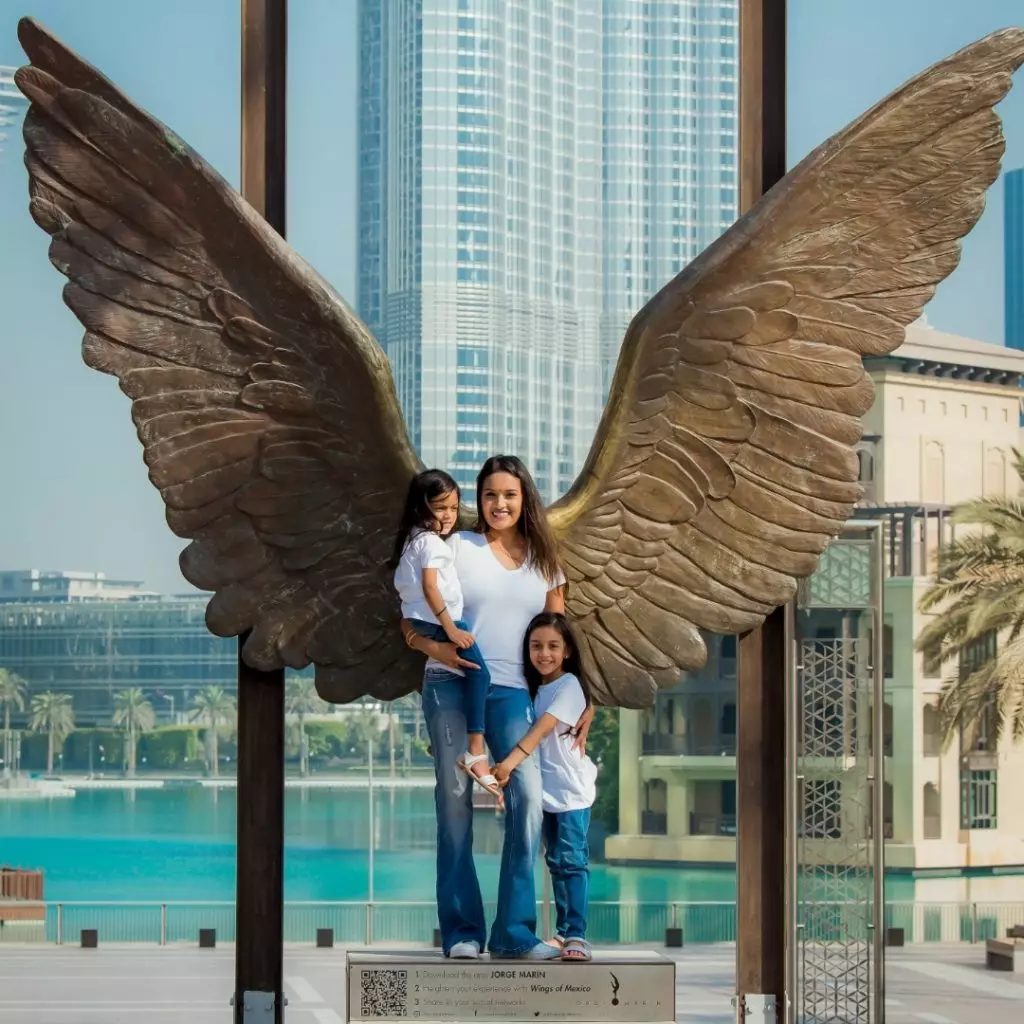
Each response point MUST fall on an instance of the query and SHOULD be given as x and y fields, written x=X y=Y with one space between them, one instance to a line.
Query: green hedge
x=76 y=749
x=326 y=740
x=33 y=752
x=171 y=746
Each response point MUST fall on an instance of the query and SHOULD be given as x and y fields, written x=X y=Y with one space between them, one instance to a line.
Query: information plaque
x=628 y=985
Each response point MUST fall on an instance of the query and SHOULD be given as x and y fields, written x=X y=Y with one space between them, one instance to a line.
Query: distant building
x=93 y=647
x=41 y=586
x=941 y=431
x=12 y=103
x=529 y=176
x=1013 y=267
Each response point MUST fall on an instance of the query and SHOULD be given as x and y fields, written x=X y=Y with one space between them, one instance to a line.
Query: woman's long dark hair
x=425 y=487
x=533 y=520
x=572 y=663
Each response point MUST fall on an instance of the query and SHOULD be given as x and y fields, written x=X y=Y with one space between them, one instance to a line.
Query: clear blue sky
x=75 y=493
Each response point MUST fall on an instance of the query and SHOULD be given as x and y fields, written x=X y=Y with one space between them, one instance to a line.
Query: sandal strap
x=469 y=759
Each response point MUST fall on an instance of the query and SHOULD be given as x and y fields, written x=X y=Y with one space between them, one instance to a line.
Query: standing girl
x=560 y=697
x=431 y=596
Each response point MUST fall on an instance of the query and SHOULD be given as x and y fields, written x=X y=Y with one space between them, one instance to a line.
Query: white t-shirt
x=427 y=550
x=498 y=604
x=567 y=776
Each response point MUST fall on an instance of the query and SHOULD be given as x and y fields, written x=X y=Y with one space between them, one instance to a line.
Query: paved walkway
x=926 y=985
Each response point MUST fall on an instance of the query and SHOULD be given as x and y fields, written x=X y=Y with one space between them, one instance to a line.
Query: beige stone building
x=945 y=420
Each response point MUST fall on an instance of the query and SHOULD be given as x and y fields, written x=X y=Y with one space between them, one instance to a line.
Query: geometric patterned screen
x=834 y=874
x=843 y=577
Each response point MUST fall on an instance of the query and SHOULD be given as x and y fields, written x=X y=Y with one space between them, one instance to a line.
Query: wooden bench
x=1004 y=955
x=1015 y=932
x=21 y=910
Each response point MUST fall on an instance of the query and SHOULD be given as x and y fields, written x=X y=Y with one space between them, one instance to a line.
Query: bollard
x=437 y=938
x=207 y=938
x=90 y=938
x=674 y=938
x=324 y=938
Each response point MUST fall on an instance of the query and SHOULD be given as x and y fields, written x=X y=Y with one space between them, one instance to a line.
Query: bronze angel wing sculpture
x=724 y=462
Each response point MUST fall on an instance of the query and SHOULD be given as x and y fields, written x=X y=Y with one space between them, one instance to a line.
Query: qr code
x=385 y=993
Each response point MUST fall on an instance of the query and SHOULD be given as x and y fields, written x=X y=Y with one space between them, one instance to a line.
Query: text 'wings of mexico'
x=724 y=462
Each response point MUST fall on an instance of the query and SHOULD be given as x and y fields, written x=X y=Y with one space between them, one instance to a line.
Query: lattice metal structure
x=836 y=896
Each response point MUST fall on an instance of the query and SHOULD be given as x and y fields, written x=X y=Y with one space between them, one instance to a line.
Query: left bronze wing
x=724 y=462
x=265 y=409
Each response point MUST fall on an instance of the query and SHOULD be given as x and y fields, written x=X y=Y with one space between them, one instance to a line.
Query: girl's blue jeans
x=568 y=856
x=508 y=716
x=475 y=681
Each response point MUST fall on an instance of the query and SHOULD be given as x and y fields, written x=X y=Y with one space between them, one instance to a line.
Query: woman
x=508 y=568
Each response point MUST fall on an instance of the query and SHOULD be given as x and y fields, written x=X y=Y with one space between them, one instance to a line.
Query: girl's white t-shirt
x=427 y=550
x=498 y=604
x=569 y=778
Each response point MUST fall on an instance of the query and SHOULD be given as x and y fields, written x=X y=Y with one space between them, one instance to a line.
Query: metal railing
x=408 y=923
x=359 y=923
x=712 y=824
x=689 y=745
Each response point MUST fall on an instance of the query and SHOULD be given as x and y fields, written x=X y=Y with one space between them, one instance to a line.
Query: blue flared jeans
x=568 y=857
x=508 y=716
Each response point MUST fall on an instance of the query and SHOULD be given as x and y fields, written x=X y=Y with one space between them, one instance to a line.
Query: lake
x=178 y=844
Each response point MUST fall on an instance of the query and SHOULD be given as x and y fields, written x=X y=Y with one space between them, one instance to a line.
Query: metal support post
x=878 y=770
x=259 y=903
x=761 y=736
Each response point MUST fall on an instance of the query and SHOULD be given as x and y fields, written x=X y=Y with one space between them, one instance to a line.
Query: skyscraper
x=1013 y=258
x=12 y=103
x=530 y=173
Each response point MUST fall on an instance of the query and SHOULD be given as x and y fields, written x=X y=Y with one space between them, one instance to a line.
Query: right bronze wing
x=725 y=460
x=266 y=410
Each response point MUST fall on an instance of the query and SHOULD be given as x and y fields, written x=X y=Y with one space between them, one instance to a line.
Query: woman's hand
x=448 y=655
x=583 y=729
x=502 y=772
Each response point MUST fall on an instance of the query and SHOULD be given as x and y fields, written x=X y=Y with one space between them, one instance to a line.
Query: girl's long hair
x=572 y=663
x=533 y=520
x=425 y=487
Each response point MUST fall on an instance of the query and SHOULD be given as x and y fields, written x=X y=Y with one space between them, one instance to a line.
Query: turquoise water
x=178 y=844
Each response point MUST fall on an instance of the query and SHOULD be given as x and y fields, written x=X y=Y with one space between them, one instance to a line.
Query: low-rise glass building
x=93 y=648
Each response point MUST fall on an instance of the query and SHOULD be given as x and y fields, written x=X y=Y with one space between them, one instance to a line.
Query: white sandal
x=488 y=782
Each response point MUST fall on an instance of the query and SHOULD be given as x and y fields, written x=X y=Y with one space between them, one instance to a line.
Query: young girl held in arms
x=560 y=696
x=431 y=597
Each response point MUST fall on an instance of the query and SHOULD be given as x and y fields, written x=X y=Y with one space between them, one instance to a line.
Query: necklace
x=516 y=560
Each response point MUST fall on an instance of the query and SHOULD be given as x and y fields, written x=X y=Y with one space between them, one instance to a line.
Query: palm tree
x=52 y=713
x=12 y=695
x=213 y=706
x=978 y=597
x=136 y=715
x=301 y=699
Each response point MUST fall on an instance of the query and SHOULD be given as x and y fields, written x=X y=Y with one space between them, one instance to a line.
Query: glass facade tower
x=1013 y=241
x=12 y=103
x=530 y=173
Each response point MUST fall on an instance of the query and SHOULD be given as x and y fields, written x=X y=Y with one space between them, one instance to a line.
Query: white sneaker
x=467 y=950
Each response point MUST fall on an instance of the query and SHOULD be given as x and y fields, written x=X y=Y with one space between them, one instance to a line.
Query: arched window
x=932 y=730
x=995 y=473
x=932 y=812
x=654 y=816
x=933 y=475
